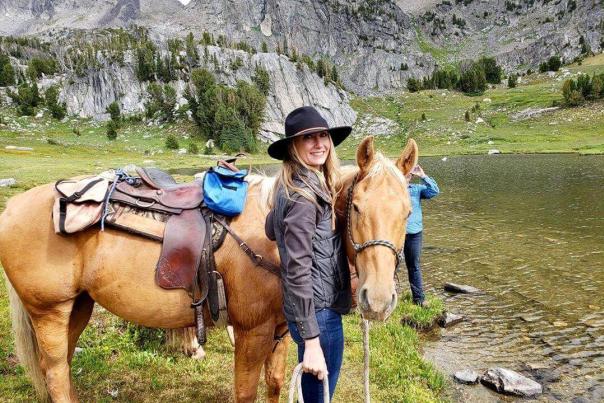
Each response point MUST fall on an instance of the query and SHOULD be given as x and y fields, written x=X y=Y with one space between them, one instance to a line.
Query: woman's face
x=313 y=148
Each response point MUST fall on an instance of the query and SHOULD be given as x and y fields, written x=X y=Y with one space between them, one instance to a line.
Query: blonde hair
x=328 y=174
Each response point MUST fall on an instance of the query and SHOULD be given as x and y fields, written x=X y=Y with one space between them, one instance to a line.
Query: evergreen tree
x=492 y=71
x=57 y=109
x=262 y=80
x=512 y=80
x=264 y=47
x=473 y=80
x=114 y=111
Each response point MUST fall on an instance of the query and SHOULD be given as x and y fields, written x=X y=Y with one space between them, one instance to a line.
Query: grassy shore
x=502 y=120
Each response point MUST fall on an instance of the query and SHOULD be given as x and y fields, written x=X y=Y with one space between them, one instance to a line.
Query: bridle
x=358 y=248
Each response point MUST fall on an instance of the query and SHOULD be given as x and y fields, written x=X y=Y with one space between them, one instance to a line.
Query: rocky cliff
x=377 y=44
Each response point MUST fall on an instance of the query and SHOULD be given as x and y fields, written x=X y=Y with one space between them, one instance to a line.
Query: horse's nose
x=363 y=301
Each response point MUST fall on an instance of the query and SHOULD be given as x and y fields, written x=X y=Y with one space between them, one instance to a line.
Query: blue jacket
x=426 y=190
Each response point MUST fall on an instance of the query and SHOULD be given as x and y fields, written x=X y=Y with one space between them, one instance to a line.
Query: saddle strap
x=257 y=259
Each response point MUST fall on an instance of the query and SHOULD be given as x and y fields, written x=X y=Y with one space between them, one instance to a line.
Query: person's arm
x=429 y=189
x=300 y=225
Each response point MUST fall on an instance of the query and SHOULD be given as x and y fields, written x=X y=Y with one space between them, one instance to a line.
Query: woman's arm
x=300 y=226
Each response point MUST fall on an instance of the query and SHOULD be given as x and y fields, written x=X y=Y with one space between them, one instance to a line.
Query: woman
x=413 y=241
x=315 y=274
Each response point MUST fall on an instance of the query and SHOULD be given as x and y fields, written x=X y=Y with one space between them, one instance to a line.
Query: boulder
x=449 y=319
x=8 y=182
x=507 y=381
x=467 y=377
x=494 y=151
x=461 y=288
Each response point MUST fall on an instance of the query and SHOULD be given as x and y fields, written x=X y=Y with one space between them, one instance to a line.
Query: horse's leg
x=52 y=333
x=251 y=349
x=80 y=315
x=78 y=320
x=274 y=366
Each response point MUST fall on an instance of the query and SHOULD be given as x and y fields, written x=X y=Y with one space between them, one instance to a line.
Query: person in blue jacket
x=427 y=189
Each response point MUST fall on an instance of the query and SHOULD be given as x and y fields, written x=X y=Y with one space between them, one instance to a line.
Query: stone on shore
x=8 y=182
x=494 y=151
x=449 y=319
x=461 y=288
x=18 y=148
x=511 y=382
x=467 y=377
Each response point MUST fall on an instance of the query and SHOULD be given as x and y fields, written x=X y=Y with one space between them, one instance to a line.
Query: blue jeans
x=412 y=251
x=332 y=344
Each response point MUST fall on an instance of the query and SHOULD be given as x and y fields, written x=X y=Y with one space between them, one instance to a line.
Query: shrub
x=192 y=148
x=262 y=80
x=111 y=129
x=7 y=72
x=57 y=109
x=543 y=67
x=467 y=116
x=554 y=63
x=264 y=47
x=473 y=80
x=512 y=80
x=491 y=70
x=114 y=111
x=27 y=98
x=413 y=85
x=38 y=66
x=171 y=142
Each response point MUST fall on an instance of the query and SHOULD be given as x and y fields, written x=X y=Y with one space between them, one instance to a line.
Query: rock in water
x=507 y=381
x=449 y=319
x=461 y=288
x=467 y=376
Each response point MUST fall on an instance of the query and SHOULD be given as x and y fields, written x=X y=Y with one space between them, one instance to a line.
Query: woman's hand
x=418 y=171
x=314 y=360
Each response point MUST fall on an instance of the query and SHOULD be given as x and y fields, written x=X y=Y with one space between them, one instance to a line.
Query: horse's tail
x=26 y=345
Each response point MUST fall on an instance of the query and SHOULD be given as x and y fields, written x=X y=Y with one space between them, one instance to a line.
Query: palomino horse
x=54 y=280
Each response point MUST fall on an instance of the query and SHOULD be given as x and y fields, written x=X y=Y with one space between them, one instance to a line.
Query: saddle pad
x=150 y=224
x=78 y=204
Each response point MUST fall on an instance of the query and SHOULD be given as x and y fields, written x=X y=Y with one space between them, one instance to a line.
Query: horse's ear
x=365 y=153
x=408 y=158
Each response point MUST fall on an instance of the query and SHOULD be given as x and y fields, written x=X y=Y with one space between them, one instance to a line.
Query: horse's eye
x=409 y=215
x=356 y=208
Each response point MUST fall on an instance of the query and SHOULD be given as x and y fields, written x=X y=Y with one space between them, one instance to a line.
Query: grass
x=132 y=364
x=445 y=131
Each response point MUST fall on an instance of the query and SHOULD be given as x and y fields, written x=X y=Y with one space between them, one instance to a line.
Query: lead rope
x=365 y=325
x=296 y=383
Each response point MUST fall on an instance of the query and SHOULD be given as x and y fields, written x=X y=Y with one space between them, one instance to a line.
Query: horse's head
x=376 y=208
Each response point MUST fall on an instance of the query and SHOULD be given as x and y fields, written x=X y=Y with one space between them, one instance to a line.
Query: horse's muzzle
x=376 y=308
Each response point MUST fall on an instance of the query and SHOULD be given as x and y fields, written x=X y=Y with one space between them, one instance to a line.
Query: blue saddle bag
x=225 y=191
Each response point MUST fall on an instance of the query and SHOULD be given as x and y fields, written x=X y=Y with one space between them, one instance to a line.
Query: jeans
x=332 y=344
x=412 y=251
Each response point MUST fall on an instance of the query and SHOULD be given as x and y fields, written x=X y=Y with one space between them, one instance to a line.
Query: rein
x=358 y=248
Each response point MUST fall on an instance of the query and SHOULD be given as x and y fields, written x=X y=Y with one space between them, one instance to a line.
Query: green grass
x=132 y=361
x=445 y=132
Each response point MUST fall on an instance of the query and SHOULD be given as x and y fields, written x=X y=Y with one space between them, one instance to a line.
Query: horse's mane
x=266 y=183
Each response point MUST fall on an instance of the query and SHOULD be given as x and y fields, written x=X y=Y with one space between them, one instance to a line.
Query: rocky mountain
x=376 y=44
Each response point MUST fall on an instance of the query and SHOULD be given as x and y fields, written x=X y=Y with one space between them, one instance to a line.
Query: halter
x=358 y=248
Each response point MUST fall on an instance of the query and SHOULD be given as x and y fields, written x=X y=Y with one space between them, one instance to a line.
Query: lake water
x=528 y=230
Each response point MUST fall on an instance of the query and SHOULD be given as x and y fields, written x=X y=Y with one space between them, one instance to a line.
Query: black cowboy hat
x=301 y=121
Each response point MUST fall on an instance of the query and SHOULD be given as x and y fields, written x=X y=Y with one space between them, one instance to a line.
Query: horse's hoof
x=200 y=354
